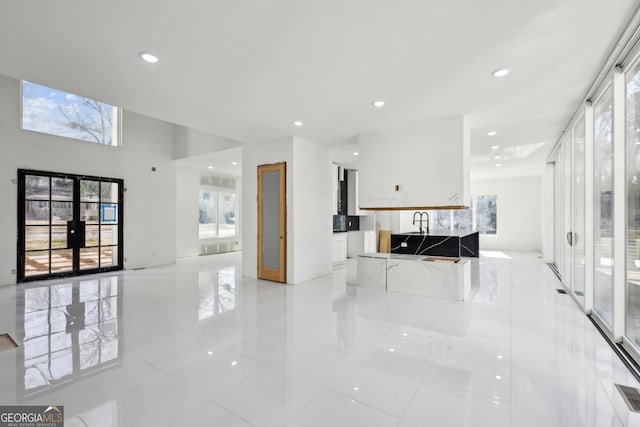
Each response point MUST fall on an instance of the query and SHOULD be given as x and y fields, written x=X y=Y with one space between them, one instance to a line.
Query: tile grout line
x=338 y=392
x=227 y=410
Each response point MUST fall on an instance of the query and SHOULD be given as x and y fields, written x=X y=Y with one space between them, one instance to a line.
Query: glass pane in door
x=36 y=187
x=271 y=220
x=109 y=192
x=36 y=263
x=61 y=188
x=36 y=212
x=89 y=258
x=61 y=260
x=61 y=212
x=108 y=256
x=36 y=238
x=567 y=238
x=603 y=208
x=578 y=190
x=89 y=190
x=632 y=318
x=89 y=212
x=59 y=237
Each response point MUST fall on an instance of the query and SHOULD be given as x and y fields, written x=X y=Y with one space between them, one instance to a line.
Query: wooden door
x=272 y=222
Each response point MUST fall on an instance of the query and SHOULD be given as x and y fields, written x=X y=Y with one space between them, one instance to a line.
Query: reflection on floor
x=197 y=344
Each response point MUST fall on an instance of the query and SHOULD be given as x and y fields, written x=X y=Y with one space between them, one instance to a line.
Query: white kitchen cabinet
x=360 y=242
x=339 y=247
x=420 y=165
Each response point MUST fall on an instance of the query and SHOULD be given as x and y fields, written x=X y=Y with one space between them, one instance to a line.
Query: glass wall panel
x=578 y=179
x=632 y=323
x=603 y=207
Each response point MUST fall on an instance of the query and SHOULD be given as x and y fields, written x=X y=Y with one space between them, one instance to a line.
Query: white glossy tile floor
x=196 y=344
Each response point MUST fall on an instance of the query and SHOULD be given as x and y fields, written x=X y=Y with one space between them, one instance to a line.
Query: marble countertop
x=439 y=233
x=407 y=257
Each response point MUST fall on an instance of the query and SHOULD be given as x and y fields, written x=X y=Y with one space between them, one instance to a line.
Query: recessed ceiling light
x=498 y=377
x=497 y=157
x=209 y=167
x=356 y=388
x=492 y=133
x=501 y=72
x=297 y=123
x=378 y=104
x=392 y=350
x=494 y=147
x=355 y=153
x=152 y=59
x=234 y=163
x=498 y=164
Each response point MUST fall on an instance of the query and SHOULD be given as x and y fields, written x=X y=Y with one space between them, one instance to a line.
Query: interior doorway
x=272 y=222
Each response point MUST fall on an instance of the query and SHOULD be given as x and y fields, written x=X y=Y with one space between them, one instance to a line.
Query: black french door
x=68 y=224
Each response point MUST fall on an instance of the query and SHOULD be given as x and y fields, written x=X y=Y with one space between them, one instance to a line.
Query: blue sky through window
x=64 y=114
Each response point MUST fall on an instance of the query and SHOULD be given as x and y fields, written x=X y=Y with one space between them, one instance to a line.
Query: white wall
x=187 y=203
x=191 y=142
x=519 y=213
x=149 y=211
x=309 y=220
x=429 y=161
x=312 y=211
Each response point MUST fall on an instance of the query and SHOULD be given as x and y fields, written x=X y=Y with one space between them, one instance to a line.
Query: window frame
x=218 y=192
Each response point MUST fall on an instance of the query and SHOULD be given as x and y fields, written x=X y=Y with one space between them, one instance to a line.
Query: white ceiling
x=247 y=69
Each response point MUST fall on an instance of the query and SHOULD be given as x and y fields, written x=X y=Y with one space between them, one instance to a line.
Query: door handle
x=574 y=238
x=570 y=238
x=71 y=238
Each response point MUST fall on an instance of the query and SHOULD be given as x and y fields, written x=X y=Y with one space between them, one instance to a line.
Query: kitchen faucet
x=420 y=214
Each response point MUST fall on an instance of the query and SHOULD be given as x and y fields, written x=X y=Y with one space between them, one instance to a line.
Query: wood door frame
x=270 y=274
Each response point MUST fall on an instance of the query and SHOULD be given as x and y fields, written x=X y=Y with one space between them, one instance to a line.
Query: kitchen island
x=437 y=243
x=439 y=277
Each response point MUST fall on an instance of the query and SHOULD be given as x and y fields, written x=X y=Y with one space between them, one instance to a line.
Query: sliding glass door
x=566 y=270
x=632 y=318
x=578 y=194
x=68 y=224
x=603 y=228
